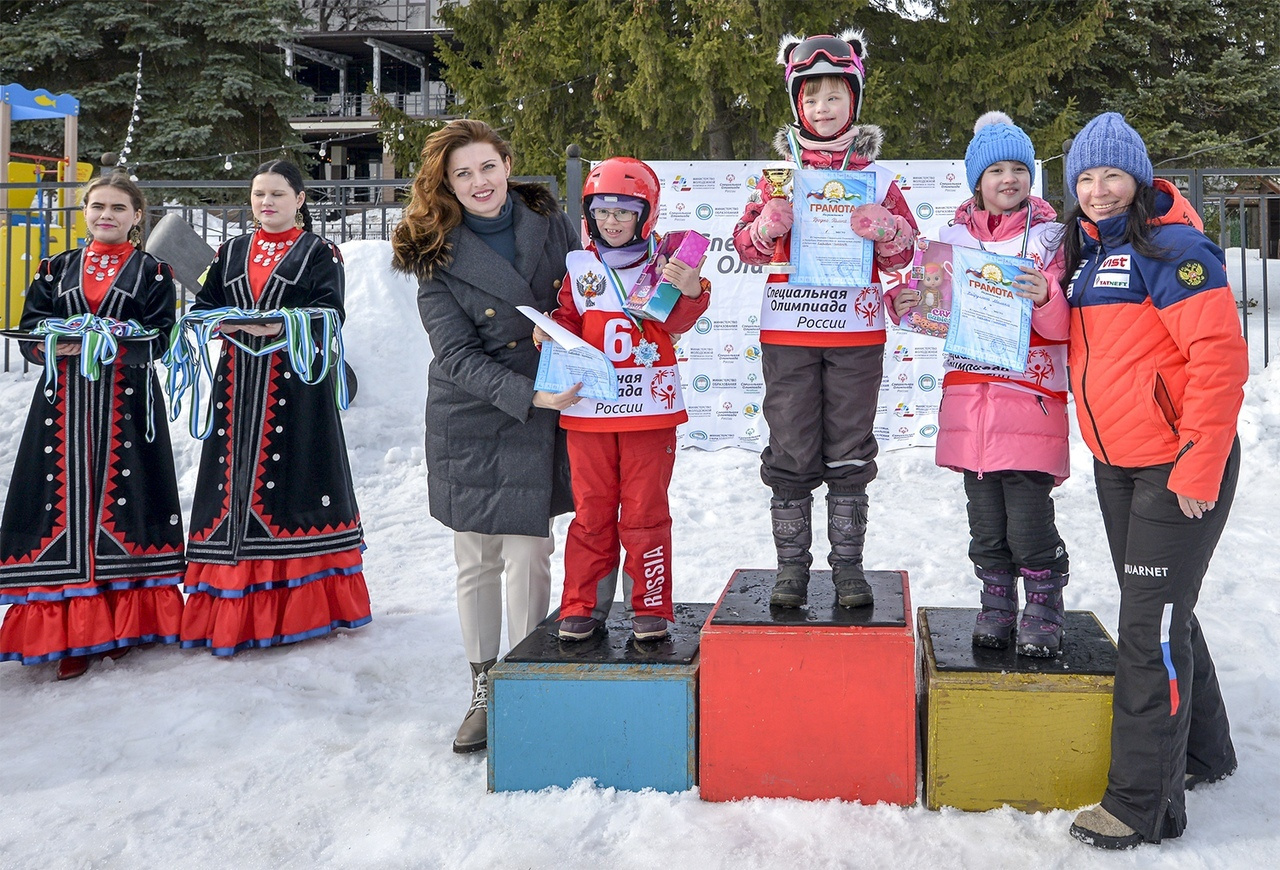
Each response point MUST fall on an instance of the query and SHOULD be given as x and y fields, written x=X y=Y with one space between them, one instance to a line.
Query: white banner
x=720 y=358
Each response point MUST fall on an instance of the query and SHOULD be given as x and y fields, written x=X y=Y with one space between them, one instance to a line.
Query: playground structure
x=38 y=212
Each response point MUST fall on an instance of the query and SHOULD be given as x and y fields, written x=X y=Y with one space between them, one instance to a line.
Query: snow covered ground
x=336 y=752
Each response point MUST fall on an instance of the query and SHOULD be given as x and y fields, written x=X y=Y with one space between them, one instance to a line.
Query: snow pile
x=336 y=752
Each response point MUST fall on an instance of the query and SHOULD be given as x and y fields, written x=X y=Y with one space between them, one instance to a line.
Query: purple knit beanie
x=1108 y=141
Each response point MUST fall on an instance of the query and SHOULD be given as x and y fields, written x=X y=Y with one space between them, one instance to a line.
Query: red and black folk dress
x=274 y=550
x=91 y=537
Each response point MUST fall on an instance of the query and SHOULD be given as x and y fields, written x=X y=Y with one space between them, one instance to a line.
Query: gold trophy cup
x=779 y=175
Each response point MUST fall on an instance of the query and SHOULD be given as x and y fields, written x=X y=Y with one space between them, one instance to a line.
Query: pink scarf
x=839 y=144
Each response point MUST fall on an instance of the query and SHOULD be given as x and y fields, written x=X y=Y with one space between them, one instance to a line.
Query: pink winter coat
x=993 y=426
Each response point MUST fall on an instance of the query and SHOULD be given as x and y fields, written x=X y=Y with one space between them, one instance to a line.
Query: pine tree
x=679 y=78
x=931 y=78
x=1195 y=77
x=698 y=78
x=652 y=78
x=211 y=83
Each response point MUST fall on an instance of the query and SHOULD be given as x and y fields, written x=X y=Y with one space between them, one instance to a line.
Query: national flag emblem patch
x=1192 y=274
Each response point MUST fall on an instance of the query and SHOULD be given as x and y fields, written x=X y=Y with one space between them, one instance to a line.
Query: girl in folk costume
x=622 y=453
x=275 y=541
x=91 y=540
x=822 y=380
x=1007 y=430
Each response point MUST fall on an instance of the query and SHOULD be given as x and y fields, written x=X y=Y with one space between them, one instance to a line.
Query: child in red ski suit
x=822 y=372
x=621 y=454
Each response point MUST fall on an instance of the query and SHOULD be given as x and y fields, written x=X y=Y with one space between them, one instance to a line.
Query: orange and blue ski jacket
x=1157 y=360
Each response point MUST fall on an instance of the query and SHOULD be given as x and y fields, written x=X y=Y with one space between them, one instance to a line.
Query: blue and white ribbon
x=190 y=366
x=99 y=346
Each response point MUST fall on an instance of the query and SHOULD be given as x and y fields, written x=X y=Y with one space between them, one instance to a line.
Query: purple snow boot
x=1040 y=631
x=995 y=623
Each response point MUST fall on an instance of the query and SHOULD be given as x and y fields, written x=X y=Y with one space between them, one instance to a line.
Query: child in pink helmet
x=822 y=374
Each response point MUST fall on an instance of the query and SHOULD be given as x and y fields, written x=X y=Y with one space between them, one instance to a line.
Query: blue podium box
x=610 y=708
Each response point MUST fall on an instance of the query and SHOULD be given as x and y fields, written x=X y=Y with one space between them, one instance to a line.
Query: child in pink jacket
x=1007 y=430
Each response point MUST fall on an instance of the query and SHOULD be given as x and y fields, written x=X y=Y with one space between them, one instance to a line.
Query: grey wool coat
x=495 y=464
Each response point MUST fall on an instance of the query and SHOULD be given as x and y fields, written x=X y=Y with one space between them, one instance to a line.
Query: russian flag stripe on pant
x=1166 y=621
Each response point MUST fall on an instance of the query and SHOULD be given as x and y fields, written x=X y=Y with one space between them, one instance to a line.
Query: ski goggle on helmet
x=622 y=176
x=826 y=55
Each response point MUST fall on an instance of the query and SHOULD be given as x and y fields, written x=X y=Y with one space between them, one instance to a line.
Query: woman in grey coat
x=497 y=471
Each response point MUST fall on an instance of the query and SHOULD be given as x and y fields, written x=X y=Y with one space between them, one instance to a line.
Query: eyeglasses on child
x=621 y=215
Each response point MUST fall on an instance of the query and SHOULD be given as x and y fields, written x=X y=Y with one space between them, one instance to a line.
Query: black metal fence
x=1241 y=210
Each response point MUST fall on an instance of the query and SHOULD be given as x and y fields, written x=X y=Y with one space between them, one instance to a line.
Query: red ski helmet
x=622 y=176
x=826 y=55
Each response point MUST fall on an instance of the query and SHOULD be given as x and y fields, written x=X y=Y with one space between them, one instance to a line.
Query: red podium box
x=816 y=702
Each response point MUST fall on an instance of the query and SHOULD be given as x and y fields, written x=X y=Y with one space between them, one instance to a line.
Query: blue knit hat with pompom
x=1108 y=140
x=996 y=138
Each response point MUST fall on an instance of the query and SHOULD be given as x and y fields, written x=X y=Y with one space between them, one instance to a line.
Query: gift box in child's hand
x=652 y=298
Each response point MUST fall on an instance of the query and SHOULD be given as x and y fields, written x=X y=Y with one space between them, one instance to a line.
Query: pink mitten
x=775 y=219
x=874 y=222
x=898 y=249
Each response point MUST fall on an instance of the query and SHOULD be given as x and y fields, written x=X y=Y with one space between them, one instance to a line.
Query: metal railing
x=1236 y=216
x=433 y=103
x=398 y=15
x=369 y=208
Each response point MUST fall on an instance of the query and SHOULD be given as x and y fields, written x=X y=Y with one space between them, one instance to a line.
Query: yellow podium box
x=999 y=728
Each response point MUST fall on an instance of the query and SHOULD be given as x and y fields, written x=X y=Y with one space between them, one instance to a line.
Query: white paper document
x=567 y=360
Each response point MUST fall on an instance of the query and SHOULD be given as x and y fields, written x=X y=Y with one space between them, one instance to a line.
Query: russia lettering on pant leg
x=655 y=575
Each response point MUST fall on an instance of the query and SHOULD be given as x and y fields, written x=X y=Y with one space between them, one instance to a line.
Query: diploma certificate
x=989 y=321
x=567 y=360
x=825 y=250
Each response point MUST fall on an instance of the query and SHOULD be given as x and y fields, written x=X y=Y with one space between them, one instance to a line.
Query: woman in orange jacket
x=1158 y=368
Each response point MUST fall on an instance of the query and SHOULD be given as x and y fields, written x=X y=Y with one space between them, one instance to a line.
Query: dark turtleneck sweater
x=497 y=232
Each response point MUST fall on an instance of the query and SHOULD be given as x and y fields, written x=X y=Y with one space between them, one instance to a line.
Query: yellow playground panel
x=36 y=227
x=36 y=222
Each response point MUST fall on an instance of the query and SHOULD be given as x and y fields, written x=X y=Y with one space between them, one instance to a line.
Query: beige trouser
x=481 y=561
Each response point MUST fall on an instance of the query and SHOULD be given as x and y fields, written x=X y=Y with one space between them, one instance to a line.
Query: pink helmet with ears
x=826 y=55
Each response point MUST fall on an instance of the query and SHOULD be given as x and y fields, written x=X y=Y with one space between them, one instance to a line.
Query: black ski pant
x=1011 y=522
x=1168 y=717
x=820 y=404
